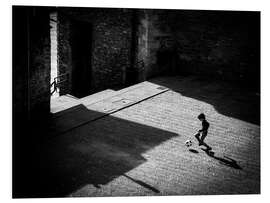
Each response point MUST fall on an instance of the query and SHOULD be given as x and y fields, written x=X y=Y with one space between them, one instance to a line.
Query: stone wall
x=39 y=60
x=111 y=43
x=64 y=52
x=31 y=61
x=31 y=89
x=152 y=40
x=220 y=44
x=216 y=44
x=223 y=44
x=54 y=51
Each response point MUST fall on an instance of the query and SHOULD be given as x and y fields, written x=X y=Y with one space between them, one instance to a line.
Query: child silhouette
x=203 y=132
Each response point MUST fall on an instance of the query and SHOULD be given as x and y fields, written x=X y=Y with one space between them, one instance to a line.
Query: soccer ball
x=188 y=143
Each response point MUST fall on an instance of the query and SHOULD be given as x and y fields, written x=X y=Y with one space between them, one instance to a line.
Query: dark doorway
x=81 y=43
x=132 y=71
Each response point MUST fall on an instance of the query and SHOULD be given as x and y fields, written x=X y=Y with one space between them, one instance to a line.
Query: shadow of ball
x=193 y=151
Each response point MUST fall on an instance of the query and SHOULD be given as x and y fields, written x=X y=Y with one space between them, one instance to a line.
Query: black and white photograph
x=121 y=102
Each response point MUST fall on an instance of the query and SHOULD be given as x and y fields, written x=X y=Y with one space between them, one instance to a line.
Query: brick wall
x=64 y=52
x=31 y=90
x=39 y=60
x=153 y=40
x=224 y=44
x=31 y=61
x=219 y=44
x=111 y=48
x=111 y=44
x=143 y=24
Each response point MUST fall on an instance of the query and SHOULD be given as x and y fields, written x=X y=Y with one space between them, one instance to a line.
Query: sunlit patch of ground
x=140 y=150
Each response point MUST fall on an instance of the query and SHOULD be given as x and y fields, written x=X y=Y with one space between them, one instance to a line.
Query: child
x=203 y=131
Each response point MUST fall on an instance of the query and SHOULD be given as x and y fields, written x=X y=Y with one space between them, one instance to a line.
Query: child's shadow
x=226 y=160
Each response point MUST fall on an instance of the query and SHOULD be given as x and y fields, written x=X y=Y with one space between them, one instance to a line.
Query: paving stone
x=140 y=150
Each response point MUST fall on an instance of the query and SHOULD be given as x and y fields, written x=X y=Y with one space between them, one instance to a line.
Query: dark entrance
x=132 y=72
x=81 y=43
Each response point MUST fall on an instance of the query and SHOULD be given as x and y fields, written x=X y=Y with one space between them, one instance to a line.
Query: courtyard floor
x=132 y=142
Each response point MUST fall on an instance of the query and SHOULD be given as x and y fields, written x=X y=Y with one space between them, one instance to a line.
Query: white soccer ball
x=188 y=143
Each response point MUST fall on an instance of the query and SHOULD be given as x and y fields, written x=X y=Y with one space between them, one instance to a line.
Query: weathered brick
x=110 y=47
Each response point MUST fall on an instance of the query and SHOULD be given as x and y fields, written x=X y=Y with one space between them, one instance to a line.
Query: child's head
x=201 y=117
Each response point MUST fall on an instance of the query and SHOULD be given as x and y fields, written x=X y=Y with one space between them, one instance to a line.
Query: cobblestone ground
x=140 y=150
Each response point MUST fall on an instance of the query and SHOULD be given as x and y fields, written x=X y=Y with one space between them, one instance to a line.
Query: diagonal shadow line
x=197 y=87
x=143 y=184
x=102 y=115
x=95 y=154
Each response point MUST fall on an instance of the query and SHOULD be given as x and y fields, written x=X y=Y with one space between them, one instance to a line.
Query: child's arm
x=204 y=127
x=200 y=130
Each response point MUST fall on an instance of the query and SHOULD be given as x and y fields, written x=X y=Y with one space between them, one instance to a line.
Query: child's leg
x=204 y=134
x=197 y=135
x=206 y=145
x=198 y=138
